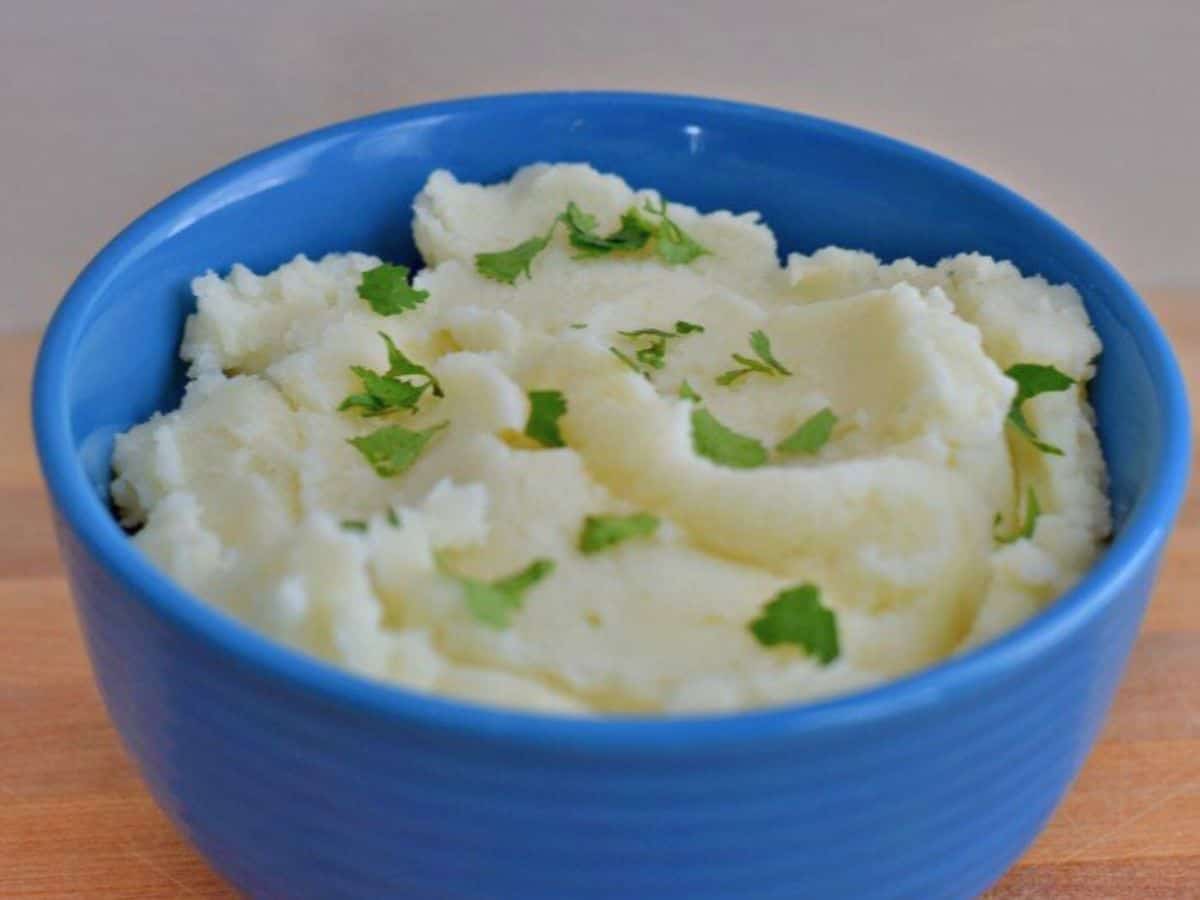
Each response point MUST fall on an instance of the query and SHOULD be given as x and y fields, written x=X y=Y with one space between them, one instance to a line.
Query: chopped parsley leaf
x=382 y=394
x=354 y=525
x=766 y=364
x=387 y=290
x=494 y=602
x=724 y=446
x=797 y=616
x=631 y=235
x=625 y=358
x=577 y=220
x=812 y=435
x=1032 y=510
x=545 y=409
x=506 y=266
x=393 y=449
x=399 y=365
x=1033 y=379
x=673 y=245
x=602 y=532
x=388 y=392
x=653 y=351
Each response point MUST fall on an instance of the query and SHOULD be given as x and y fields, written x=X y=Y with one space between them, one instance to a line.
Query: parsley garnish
x=631 y=235
x=386 y=288
x=812 y=435
x=602 y=532
x=387 y=392
x=1033 y=379
x=493 y=602
x=506 y=265
x=797 y=616
x=393 y=449
x=766 y=364
x=399 y=364
x=687 y=393
x=724 y=446
x=673 y=245
x=1032 y=510
x=382 y=394
x=354 y=525
x=577 y=220
x=653 y=351
x=545 y=409
x=625 y=358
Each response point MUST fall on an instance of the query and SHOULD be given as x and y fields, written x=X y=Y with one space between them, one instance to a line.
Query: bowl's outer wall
x=293 y=795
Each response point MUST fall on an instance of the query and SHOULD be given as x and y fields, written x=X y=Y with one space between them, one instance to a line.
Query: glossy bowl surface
x=298 y=780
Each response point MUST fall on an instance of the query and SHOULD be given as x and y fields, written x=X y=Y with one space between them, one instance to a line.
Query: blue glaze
x=298 y=780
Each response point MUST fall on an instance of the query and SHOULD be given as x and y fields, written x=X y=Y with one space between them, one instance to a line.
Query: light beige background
x=1089 y=107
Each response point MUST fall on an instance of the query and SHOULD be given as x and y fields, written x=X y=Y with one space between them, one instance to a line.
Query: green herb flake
x=381 y=394
x=400 y=365
x=653 y=351
x=811 y=436
x=1033 y=379
x=545 y=409
x=797 y=616
x=601 y=532
x=673 y=245
x=577 y=220
x=392 y=518
x=578 y=325
x=688 y=393
x=354 y=525
x=1026 y=529
x=722 y=445
x=766 y=364
x=631 y=235
x=393 y=449
x=387 y=392
x=506 y=266
x=387 y=290
x=494 y=602
x=627 y=360
x=761 y=345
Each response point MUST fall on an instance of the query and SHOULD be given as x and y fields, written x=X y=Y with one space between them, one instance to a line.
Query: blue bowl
x=299 y=780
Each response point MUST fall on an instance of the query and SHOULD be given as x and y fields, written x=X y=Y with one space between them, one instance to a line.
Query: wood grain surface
x=76 y=822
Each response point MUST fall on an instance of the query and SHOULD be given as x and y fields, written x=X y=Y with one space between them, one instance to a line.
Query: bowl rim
x=81 y=512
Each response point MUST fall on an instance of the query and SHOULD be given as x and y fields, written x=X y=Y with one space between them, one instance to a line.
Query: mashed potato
x=923 y=522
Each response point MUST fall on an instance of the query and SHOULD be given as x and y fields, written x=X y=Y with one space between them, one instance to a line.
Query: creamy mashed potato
x=911 y=517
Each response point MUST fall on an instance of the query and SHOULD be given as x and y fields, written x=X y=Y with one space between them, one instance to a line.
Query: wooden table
x=75 y=821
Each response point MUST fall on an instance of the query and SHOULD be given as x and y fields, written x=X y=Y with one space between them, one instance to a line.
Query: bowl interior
x=350 y=187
